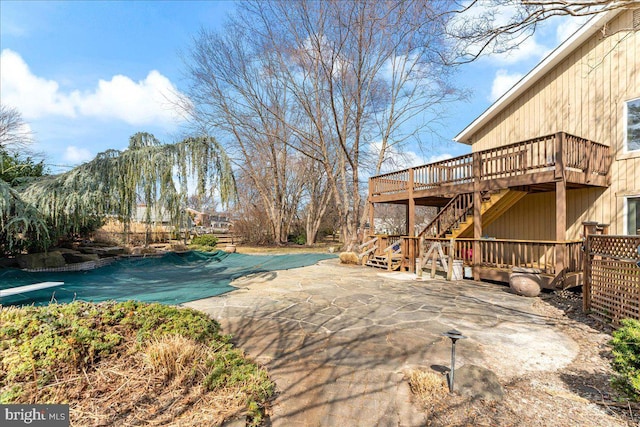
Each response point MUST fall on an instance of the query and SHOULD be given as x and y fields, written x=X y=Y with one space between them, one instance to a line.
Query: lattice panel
x=615 y=290
x=625 y=247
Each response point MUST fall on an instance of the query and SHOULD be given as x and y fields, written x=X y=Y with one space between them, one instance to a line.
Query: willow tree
x=114 y=182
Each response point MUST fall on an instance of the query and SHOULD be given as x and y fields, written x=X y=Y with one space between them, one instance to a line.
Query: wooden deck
x=533 y=165
x=478 y=188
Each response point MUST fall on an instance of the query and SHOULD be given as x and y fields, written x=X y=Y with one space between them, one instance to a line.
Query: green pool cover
x=171 y=279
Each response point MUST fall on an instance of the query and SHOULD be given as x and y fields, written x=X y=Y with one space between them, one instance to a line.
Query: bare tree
x=478 y=27
x=357 y=72
x=332 y=79
x=316 y=199
x=15 y=135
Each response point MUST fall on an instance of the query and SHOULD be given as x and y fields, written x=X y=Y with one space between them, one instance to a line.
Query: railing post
x=590 y=161
x=586 y=279
x=561 y=204
x=411 y=207
x=420 y=256
x=477 y=215
x=451 y=257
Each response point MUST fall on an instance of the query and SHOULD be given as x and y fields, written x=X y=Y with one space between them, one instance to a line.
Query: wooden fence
x=612 y=278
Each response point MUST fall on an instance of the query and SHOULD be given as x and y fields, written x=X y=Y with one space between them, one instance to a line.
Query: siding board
x=583 y=95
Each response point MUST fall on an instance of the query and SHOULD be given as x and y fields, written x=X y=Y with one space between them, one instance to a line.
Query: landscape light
x=454 y=335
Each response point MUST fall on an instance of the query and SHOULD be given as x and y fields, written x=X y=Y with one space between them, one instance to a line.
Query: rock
x=72 y=257
x=478 y=383
x=52 y=259
x=102 y=251
x=9 y=263
x=525 y=282
x=348 y=258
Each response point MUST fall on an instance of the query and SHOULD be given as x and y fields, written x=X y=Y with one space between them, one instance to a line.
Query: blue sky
x=86 y=75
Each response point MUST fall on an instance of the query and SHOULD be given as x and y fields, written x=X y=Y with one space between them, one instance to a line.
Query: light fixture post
x=454 y=335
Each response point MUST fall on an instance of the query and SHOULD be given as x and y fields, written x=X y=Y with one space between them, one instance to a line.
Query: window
x=633 y=125
x=633 y=215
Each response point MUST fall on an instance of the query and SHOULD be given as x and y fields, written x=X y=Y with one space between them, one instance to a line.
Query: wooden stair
x=492 y=208
x=381 y=261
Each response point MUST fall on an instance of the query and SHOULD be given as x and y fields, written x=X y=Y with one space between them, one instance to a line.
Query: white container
x=457 y=269
x=468 y=272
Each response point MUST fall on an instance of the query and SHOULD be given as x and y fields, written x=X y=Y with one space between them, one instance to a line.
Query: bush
x=626 y=362
x=205 y=240
x=298 y=239
x=41 y=348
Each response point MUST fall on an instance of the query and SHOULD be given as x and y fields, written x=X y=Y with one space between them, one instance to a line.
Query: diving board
x=28 y=288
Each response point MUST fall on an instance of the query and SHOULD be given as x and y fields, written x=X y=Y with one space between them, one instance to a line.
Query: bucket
x=457 y=269
x=468 y=272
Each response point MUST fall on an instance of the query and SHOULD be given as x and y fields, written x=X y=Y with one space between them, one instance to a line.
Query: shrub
x=626 y=362
x=205 y=240
x=42 y=347
x=299 y=239
x=348 y=258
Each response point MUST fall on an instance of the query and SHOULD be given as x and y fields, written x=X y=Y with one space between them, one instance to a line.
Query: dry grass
x=175 y=356
x=321 y=248
x=429 y=387
x=349 y=258
x=169 y=366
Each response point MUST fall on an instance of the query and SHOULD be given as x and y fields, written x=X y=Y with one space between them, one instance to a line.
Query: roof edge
x=551 y=60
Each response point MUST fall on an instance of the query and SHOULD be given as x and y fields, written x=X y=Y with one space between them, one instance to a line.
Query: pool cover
x=171 y=279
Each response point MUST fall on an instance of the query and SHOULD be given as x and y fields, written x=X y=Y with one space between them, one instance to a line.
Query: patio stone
x=339 y=340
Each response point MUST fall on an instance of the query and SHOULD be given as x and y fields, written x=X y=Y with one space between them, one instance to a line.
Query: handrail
x=460 y=205
x=375 y=239
x=399 y=243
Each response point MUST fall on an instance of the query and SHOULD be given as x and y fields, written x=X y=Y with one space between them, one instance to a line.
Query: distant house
x=560 y=148
x=162 y=218
x=220 y=221
x=199 y=218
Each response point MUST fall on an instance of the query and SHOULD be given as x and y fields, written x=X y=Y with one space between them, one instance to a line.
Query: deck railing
x=534 y=155
x=509 y=253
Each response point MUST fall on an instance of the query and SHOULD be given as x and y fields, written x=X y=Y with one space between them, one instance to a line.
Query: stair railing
x=371 y=246
x=394 y=248
x=451 y=215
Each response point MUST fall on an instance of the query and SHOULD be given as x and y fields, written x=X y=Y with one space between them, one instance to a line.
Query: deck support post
x=561 y=205
x=477 y=215
x=372 y=228
x=411 y=225
x=411 y=208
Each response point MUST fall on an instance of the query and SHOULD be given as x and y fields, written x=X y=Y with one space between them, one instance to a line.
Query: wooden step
x=380 y=261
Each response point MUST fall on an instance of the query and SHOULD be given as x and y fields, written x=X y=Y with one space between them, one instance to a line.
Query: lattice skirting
x=615 y=290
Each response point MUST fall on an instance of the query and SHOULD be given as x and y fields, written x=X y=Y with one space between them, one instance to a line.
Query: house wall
x=584 y=95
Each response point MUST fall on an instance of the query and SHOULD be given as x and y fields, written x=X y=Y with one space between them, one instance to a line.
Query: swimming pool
x=173 y=278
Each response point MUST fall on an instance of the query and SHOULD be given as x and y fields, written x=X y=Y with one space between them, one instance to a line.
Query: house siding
x=583 y=95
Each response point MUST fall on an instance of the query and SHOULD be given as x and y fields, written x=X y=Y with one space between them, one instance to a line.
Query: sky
x=86 y=75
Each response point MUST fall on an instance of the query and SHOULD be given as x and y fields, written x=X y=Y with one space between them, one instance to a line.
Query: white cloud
x=74 y=154
x=396 y=159
x=438 y=158
x=490 y=15
x=149 y=101
x=33 y=96
x=569 y=25
x=146 y=101
x=502 y=82
x=526 y=49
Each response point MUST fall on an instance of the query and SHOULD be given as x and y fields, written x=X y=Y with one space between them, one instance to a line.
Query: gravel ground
x=577 y=395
